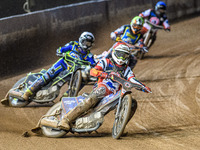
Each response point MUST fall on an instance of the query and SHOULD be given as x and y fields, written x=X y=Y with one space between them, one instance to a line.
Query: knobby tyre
x=123 y=118
x=49 y=131
x=75 y=84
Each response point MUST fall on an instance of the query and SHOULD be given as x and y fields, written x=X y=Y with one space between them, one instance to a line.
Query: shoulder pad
x=71 y=42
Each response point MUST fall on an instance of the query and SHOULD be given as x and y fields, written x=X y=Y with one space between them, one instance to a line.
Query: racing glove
x=168 y=29
x=147 y=89
x=145 y=49
x=113 y=36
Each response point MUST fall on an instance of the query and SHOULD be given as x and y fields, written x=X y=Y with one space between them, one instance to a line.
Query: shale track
x=167 y=119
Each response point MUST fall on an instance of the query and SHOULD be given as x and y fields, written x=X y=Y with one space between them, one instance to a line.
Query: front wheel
x=124 y=116
x=141 y=55
x=49 y=131
x=75 y=84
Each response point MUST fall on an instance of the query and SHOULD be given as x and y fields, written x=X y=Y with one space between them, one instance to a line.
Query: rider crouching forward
x=156 y=16
x=74 y=49
x=117 y=62
x=130 y=34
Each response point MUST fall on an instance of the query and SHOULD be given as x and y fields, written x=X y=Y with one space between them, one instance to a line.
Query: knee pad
x=99 y=92
x=46 y=77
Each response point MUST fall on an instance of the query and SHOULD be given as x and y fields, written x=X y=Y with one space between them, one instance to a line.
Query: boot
x=37 y=84
x=74 y=113
x=64 y=124
x=27 y=94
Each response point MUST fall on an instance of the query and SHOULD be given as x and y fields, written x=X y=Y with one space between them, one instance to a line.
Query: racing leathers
x=151 y=16
x=71 y=50
x=104 y=87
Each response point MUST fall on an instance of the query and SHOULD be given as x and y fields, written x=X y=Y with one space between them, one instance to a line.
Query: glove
x=147 y=90
x=168 y=29
x=113 y=36
x=145 y=49
x=60 y=54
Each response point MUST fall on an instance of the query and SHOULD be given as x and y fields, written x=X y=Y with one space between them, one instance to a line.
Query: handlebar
x=132 y=47
x=154 y=25
x=127 y=85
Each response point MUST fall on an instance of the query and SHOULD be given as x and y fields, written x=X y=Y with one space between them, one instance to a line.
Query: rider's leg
x=95 y=96
x=51 y=73
x=37 y=84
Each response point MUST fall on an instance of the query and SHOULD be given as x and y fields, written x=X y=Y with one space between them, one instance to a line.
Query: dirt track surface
x=167 y=119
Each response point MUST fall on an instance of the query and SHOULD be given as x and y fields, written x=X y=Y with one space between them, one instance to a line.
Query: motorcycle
x=75 y=76
x=122 y=101
x=134 y=49
x=149 y=37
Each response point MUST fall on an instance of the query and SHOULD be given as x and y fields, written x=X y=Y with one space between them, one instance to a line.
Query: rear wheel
x=75 y=84
x=124 y=116
x=49 y=131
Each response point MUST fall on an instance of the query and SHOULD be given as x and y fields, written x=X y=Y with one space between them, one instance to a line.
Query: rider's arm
x=98 y=70
x=117 y=33
x=141 y=42
x=73 y=55
x=145 y=14
x=166 y=25
x=90 y=57
x=131 y=77
x=142 y=45
x=67 y=47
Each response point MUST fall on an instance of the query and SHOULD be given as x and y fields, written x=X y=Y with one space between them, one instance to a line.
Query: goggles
x=162 y=10
x=135 y=26
x=121 y=55
x=87 y=43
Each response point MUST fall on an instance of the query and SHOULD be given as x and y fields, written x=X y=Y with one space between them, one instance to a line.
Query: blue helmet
x=160 y=8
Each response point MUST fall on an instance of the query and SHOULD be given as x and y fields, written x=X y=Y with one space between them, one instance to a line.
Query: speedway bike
x=78 y=74
x=121 y=101
x=149 y=37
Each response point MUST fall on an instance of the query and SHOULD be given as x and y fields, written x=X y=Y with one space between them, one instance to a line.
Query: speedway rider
x=156 y=16
x=74 y=49
x=117 y=62
x=130 y=34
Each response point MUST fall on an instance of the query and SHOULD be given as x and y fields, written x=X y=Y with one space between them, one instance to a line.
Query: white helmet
x=86 y=40
x=120 y=54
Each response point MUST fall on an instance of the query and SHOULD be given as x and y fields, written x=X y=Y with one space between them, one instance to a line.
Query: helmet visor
x=162 y=11
x=87 y=43
x=121 y=55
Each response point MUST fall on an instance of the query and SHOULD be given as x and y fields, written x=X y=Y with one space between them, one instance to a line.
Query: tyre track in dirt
x=169 y=118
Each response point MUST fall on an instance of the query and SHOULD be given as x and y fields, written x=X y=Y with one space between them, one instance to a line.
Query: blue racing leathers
x=72 y=50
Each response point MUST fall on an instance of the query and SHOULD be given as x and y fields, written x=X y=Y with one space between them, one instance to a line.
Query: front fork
x=147 y=38
x=118 y=108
